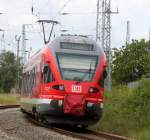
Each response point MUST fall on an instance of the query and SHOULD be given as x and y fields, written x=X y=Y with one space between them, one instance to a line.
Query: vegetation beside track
x=8 y=99
x=127 y=112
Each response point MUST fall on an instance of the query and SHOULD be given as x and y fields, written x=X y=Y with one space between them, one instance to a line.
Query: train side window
x=30 y=82
x=32 y=79
x=35 y=71
x=23 y=84
x=48 y=77
x=103 y=77
x=27 y=82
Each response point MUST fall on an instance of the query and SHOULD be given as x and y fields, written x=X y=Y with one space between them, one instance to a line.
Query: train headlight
x=59 y=87
x=93 y=90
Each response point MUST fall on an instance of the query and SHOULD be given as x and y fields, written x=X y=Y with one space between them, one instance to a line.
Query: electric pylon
x=103 y=32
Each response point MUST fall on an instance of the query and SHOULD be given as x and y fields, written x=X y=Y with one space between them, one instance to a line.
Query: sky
x=82 y=20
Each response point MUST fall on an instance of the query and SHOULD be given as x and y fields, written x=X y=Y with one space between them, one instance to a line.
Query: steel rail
x=86 y=134
x=90 y=135
x=9 y=106
x=106 y=135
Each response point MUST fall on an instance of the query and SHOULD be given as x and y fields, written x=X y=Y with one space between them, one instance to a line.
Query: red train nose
x=74 y=105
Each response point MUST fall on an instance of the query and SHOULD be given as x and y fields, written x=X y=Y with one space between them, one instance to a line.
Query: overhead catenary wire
x=82 y=13
x=43 y=29
x=62 y=8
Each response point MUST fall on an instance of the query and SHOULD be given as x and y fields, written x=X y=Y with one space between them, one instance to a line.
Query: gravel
x=4 y=136
x=15 y=126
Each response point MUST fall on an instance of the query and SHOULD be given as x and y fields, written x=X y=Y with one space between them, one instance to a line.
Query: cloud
x=18 y=12
x=21 y=19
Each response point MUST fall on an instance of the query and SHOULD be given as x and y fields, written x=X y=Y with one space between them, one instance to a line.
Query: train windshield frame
x=77 y=67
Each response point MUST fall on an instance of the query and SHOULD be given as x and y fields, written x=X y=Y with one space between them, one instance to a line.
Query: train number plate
x=76 y=88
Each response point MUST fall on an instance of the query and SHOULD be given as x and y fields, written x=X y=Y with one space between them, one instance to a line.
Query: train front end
x=77 y=69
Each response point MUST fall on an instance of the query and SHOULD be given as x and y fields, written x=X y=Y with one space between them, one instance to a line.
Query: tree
x=8 y=71
x=131 y=62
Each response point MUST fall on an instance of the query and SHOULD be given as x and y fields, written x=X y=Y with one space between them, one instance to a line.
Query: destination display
x=76 y=46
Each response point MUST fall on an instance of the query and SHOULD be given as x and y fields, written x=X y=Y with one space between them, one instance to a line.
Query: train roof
x=68 y=43
x=55 y=47
x=75 y=39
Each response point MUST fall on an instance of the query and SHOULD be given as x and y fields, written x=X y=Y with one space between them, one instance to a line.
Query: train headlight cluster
x=59 y=87
x=93 y=90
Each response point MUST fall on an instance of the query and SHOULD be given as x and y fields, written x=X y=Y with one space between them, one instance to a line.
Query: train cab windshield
x=77 y=67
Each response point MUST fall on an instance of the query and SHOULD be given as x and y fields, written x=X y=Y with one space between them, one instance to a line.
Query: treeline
x=131 y=62
x=8 y=71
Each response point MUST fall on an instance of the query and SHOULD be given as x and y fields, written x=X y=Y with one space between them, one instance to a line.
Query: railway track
x=9 y=106
x=89 y=134
x=84 y=134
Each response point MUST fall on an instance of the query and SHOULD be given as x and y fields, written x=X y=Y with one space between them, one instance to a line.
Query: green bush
x=139 y=104
x=127 y=112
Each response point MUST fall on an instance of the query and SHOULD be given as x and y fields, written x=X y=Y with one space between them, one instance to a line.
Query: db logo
x=76 y=88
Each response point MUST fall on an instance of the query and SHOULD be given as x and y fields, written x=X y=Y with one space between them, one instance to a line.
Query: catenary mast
x=103 y=32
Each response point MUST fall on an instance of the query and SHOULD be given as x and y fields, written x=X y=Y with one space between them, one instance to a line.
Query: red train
x=64 y=82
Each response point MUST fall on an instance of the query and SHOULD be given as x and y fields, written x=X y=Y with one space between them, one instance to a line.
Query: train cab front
x=73 y=103
x=84 y=96
x=76 y=94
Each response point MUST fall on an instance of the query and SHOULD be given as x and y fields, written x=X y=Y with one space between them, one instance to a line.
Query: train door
x=31 y=81
x=47 y=77
x=37 y=83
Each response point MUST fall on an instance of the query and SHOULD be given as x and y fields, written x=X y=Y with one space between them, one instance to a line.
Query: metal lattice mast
x=106 y=36
x=24 y=39
x=103 y=32
x=17 y=38
x=23 y=42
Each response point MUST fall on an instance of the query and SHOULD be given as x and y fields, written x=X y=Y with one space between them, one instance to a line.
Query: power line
x=34 y=32
x=17 y=38
x=62 y=8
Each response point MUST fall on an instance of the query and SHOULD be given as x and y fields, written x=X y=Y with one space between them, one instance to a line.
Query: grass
x=9 y=99
x=127 y=112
